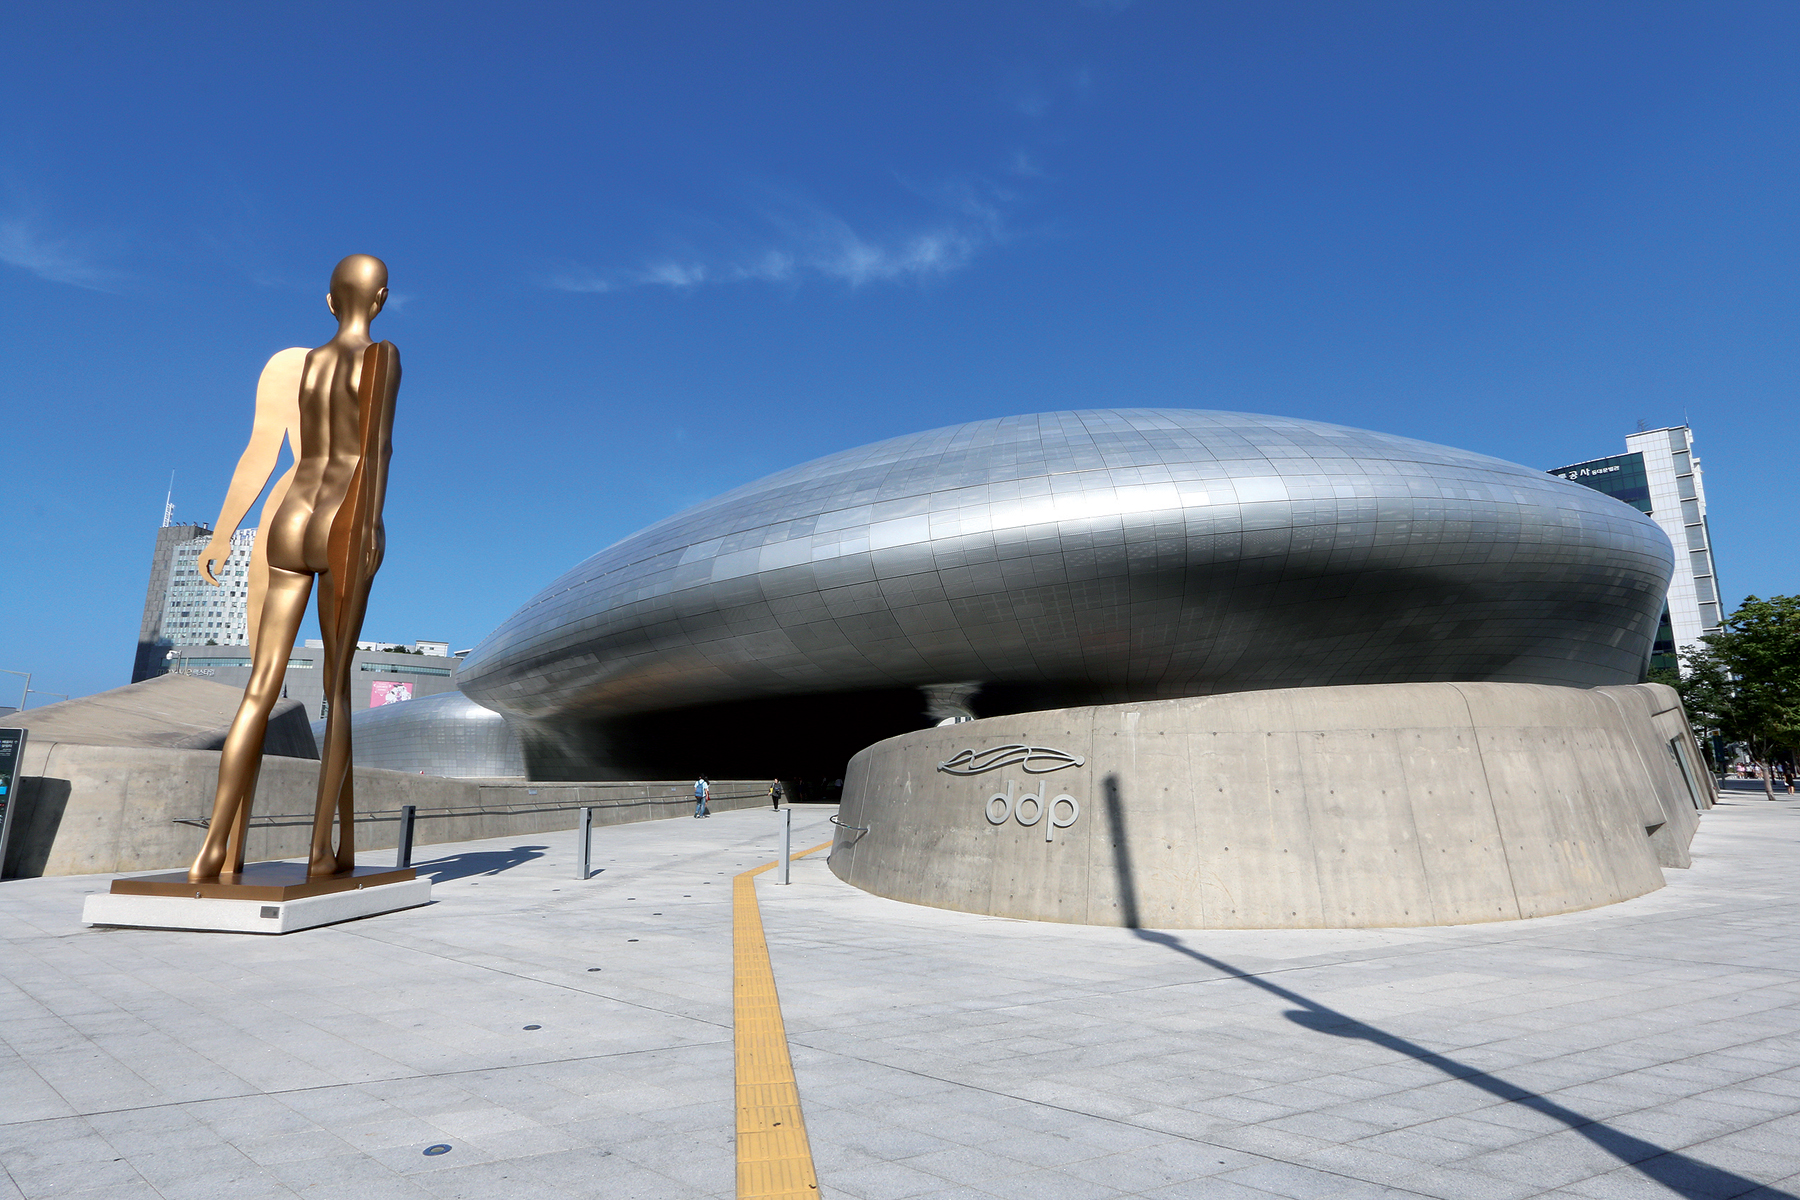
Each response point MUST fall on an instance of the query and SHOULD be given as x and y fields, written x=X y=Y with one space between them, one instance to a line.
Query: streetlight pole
x=26 y=694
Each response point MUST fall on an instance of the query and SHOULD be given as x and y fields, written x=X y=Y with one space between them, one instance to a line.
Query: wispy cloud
x=60 y=260
x=1024 y=165
x=793 y=241
x=576 y=278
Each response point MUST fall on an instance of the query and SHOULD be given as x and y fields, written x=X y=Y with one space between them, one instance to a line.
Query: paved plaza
x=574 y=1039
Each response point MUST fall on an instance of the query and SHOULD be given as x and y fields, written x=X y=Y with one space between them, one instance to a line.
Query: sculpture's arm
x=277 y=417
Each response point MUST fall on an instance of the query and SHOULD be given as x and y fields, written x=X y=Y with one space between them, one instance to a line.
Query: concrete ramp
x=1381 y=805
x=170 y=712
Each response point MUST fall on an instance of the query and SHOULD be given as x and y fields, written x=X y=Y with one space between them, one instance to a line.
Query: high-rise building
x=1659 y=474
x=182 y=609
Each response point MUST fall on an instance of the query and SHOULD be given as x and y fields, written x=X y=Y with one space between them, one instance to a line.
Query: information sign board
x=12 y=761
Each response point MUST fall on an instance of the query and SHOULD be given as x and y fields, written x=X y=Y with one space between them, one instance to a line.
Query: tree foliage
x=1743 y=682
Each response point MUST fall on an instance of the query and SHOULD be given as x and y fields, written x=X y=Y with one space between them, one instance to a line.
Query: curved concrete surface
x=170 y=712
x=1380 y=805
x=89 y=809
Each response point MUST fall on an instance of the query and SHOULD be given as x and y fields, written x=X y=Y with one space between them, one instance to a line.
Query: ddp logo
x=1031 y=809
x=1051 y=813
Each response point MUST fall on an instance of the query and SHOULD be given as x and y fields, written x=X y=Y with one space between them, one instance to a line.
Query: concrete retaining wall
x=1398 y=804
x=112 y=809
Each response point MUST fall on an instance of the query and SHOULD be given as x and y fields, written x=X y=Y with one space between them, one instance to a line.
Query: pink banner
x=388 y=691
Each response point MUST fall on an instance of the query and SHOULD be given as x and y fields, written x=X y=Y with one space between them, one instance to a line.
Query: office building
x=1659 y=475
x=378 y=677
x=182 y=609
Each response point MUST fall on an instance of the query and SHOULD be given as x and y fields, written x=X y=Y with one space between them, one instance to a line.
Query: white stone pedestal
x=253 y=916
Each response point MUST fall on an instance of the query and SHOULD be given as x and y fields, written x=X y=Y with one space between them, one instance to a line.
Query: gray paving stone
x=955 y=1193
x=1051 y=1185
x=939 y=1054
x=1295 y=1180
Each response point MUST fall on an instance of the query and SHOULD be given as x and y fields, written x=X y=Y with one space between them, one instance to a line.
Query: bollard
x=584 y=849
x=787 y=840
x=403 y=850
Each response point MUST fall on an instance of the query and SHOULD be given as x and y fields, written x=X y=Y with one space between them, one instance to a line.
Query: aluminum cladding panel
x=447 y=734
x=1134 y=553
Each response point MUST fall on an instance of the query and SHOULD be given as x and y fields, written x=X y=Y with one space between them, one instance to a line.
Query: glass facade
x=1621 y=477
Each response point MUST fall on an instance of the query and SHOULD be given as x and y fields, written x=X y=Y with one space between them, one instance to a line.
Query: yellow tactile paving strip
x=773 y=1156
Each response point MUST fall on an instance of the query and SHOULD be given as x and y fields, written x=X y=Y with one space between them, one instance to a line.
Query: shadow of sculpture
x=478 y=862
x=1682 y=1175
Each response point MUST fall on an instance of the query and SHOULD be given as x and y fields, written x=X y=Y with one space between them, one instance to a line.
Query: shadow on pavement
x=483 y=862
x=1680 y=1174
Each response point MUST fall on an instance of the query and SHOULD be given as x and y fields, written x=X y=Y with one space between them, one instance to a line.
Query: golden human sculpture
x=335 y=407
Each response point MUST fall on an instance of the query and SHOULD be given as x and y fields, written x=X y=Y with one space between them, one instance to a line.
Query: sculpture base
x=261 y=881
x=347 y=902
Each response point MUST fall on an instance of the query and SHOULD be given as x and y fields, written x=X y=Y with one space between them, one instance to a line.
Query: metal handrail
x=860 y=830
x=275 y=820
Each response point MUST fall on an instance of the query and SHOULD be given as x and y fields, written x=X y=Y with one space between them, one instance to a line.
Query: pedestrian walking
x=775 y=794
x=702 y=793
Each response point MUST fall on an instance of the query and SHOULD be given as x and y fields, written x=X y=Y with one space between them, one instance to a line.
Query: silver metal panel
x=447 y=734
x=1132 y=553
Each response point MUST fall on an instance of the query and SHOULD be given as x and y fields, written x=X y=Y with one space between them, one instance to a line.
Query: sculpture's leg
x=336 y=784
x=241 y=758
x=240 y=828
x=334 y=745
x=346 y=852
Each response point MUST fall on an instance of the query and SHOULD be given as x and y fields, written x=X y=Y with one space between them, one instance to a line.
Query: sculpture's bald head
x=358 y=286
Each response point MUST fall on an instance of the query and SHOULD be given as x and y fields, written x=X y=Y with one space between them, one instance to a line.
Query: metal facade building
x=1064 y=558
x=447 y=734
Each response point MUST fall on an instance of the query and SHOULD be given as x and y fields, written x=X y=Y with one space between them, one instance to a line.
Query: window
x=390 y=668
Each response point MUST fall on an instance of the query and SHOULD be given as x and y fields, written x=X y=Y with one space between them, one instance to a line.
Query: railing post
x=584 y=850
x=403 y=850
x=787 y=840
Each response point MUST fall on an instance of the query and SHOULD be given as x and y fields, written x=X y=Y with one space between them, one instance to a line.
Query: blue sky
x=644 y=253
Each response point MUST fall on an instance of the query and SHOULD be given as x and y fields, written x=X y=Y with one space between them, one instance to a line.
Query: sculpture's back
x=327 y=523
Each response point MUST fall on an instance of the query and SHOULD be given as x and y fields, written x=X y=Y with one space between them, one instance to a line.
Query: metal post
x=12 y=767
x=584 y=850
x=26 y=694
x=787 y=840
x=403 y=851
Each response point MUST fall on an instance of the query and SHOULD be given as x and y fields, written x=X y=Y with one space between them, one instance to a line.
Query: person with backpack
x=702 y=792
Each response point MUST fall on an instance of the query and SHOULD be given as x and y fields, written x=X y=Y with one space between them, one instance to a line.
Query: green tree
x=1743 y=683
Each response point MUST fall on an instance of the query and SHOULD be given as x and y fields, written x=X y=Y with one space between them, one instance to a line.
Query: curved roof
x=447 y=734
x=1137 y=552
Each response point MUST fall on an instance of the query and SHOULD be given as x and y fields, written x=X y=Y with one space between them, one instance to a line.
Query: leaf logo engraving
x=1036 y=760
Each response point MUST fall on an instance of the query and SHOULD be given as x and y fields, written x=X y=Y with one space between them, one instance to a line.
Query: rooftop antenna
x=169 y=503
x=1640 y=424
